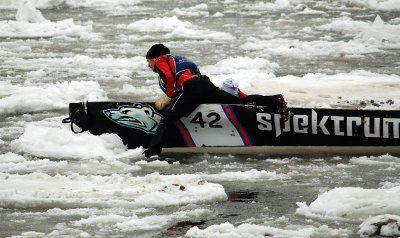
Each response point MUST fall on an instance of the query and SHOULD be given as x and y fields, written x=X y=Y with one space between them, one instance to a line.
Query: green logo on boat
x=139 y=116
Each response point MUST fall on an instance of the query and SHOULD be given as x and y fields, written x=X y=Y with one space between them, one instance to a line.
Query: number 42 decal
x=215 y=118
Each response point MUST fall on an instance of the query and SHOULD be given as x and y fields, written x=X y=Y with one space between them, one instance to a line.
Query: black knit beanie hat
x=157 y=50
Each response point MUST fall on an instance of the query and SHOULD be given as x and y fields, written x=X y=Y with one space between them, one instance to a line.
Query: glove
x=163 y=102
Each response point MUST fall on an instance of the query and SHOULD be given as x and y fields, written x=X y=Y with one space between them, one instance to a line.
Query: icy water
x=324 y=54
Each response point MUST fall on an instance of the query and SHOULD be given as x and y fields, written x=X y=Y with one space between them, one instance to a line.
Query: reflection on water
x=243 y=196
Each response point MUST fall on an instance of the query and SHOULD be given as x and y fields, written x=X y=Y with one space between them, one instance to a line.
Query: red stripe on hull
x=186 y=136
x=242 y=131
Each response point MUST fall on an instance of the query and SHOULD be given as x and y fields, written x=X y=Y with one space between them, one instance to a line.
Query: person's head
x=154 y=52
x=231 y=86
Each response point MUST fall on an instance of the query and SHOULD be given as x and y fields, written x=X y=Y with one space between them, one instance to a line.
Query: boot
x=282 y=108
x=157 y=141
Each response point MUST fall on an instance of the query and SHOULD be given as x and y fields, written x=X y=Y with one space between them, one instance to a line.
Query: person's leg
x=215 y=95
x=183 y=104
x=211 y=94
x=276 y=102
x=157 y=141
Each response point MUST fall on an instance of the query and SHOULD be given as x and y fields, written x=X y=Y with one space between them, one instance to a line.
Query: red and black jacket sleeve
x=165 y=67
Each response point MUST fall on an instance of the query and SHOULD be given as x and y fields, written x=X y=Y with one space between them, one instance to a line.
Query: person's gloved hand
x=163 y=102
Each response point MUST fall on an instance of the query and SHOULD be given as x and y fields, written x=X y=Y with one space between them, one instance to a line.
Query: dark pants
x=191 y=94
x=194 y=92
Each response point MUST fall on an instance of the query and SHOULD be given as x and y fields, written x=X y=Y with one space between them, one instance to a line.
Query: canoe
x=245 y=128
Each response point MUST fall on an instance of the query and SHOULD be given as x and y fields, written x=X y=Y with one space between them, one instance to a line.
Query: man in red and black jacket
x=186 y=89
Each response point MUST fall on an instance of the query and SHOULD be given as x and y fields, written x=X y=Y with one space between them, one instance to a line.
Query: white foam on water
x=174 y=28
x=25 y=29
x=388 y=161
x=376 y=33
x=256 y=76
x=44 y=68
x=245 y=70
x=28 y=12
x=228 y=230
x=366 y=38
x=146 y=93
x=384 y=5
x=31 y=98
x=382 y=225
x=200 y=10
x=30 y=23
x=40 y=190
x=14 y=163
x=294 y=48
x=53 y=139
x=352 y=204
x=337 y=90
x=102 y=4
x=252 y=175
x=157 y=222
x=111 y=219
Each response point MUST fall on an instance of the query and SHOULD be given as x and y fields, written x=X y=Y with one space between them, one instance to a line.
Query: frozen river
x=322 y=54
